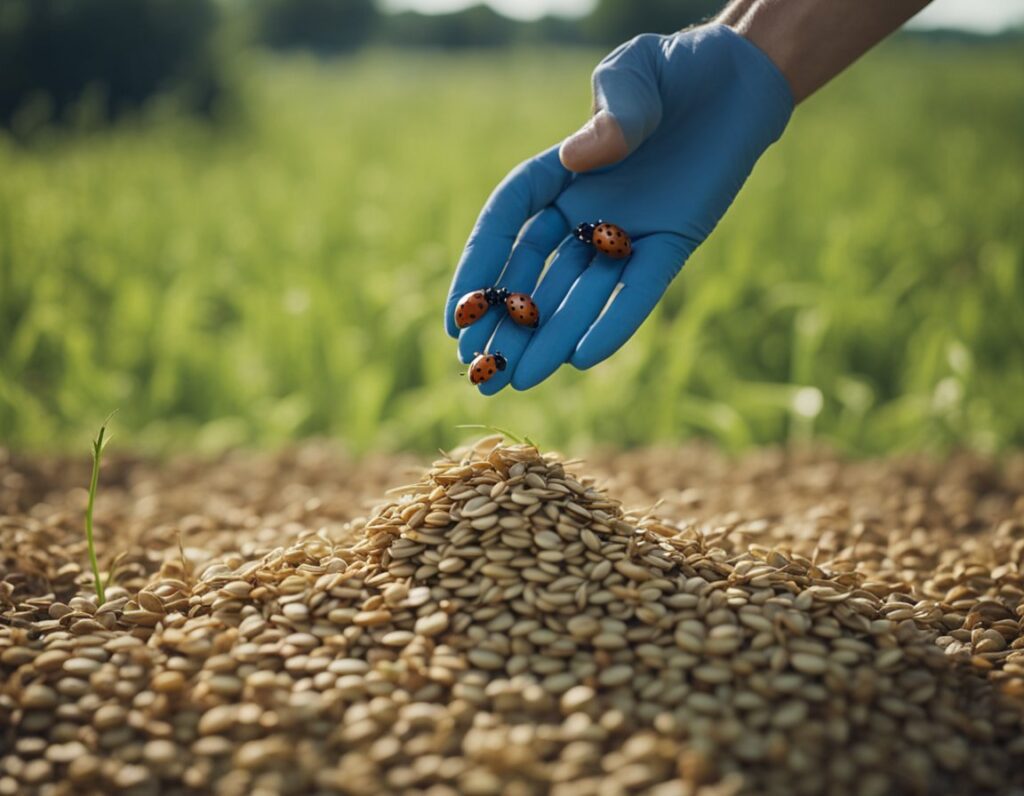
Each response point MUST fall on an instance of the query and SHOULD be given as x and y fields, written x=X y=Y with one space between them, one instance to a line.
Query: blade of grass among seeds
x=519 y=440
x=98 y=445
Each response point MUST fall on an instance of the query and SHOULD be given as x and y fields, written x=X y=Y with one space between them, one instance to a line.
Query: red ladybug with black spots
x=473 y=306
x=484 y=366
x=522 y=310
x=608 y=238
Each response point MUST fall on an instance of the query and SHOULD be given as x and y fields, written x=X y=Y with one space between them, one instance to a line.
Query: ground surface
x=787 y=623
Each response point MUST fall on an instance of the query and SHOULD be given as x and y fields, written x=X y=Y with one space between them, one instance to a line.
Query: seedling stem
x=98 y=445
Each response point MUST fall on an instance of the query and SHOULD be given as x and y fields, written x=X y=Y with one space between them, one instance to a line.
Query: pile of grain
x=504 y=627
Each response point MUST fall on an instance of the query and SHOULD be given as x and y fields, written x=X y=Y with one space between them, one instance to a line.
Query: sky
x=985 y=16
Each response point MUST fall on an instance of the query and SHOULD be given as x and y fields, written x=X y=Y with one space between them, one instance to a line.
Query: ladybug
x=607 y=238
x=473 y=306
x=486 y=365
x=522 y=310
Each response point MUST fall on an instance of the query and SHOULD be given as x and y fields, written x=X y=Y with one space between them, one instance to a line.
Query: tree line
x=116 y=54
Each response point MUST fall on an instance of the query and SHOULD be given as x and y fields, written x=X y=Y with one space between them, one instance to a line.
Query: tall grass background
x=285 y=275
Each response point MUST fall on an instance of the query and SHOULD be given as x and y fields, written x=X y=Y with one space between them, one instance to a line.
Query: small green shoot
x=98 y=445
x=520 y=440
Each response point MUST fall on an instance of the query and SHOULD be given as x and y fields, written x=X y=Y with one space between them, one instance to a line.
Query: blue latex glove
x=696 y=110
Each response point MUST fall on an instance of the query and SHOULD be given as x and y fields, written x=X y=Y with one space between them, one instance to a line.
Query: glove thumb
x=627 y=107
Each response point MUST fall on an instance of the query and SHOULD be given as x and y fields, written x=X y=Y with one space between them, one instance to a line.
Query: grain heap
x=941 y=541
x=502 y=627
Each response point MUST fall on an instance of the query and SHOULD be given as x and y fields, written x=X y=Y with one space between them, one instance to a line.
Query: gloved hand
x=689 y=115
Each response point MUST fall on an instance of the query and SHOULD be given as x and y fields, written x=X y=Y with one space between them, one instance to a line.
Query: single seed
x=485 y=659
x=432 y=624
x=808 y=664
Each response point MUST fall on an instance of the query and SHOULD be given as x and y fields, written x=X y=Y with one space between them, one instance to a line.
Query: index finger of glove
x=528 y=188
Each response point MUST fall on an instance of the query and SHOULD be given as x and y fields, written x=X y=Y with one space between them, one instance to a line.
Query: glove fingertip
x=526 y=378
x=584 y=361
x=520 y=385
x=522 y=380
x=492 y=387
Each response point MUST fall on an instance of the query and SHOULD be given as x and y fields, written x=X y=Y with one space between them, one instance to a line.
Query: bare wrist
x=811 y=41
x=776 y=32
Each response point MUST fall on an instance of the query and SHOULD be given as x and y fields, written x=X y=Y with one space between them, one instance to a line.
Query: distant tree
x=324 y=26
x=614 y=21
x=554 y=29
x=52 y=51
x=476 y=26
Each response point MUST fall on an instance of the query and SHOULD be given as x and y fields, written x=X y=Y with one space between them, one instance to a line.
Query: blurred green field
x=285 y=276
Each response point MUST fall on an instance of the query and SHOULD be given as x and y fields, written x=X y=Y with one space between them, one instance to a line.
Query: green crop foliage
x=285 y=277
x=98 y=446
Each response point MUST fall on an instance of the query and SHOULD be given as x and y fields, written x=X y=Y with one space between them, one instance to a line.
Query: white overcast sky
x=979 y=15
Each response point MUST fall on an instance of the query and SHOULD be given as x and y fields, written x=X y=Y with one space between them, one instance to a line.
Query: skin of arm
x=812 y=41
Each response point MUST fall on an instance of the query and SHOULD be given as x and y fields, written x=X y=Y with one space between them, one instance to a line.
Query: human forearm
x=812 y=41
x=733 y=12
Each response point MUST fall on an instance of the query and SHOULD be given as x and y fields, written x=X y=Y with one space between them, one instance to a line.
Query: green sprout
x=520 y=440
x=98 y=445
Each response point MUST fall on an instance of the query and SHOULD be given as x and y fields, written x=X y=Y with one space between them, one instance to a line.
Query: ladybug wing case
x=470 y=309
